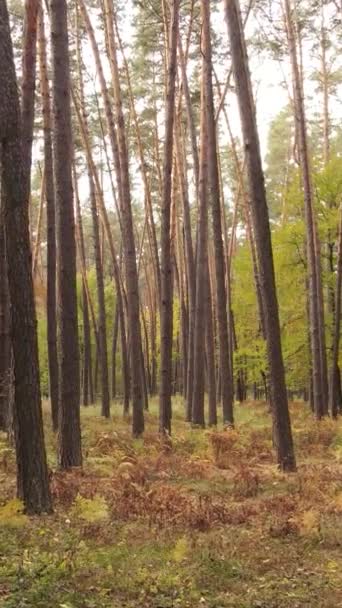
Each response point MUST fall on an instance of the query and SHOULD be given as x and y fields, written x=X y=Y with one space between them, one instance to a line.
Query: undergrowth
x=204 y=519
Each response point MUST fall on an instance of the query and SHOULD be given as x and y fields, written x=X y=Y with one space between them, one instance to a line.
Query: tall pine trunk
x=165 y=390
x=280 y=411
x=335 y=379
x=32 y=472
x=201 y=271
x=50 y=223
x=214 y=193
x=101 y=326
x=131 y=273
x=69 y=435
x=316 y=318
x=5 y=338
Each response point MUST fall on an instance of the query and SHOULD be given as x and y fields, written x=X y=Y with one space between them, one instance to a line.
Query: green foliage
x=12 y=514
x=43 y=354
x=283 y=537
x=90 y=510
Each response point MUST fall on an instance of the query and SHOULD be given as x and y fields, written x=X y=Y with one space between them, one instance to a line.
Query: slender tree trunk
x=36 y=249
x=280 y=411
x=335 y=380
x=201 y=271
x=116 y=270
x=210 y=351
x=50 y=224
x=29 y=64
x=5 y=338
x=165 y=390
x=191 y=272
x=313 y=255
x=114 y=349
x=221 y=296
x=131 y=273
x=88 y=389
x=32 y=472
x=102 y=334
x=148 y=197
x=69 y=436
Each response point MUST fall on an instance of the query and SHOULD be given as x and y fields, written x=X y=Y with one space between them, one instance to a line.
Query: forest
x=170 y=303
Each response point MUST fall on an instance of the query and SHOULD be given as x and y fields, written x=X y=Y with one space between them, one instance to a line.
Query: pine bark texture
x=69 y=429
x=215 y=202
x=165 y=390
x=280 y=411
x=32 y=472
x=50 y=222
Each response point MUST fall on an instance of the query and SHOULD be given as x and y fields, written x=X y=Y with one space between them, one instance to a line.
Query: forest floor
x=205 y=520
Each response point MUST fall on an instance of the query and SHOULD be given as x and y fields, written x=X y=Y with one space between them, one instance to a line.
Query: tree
x=201 y=269
x=32 y=472
x=215 y=201
x=5 y=339
x=101 y=325
x=335 y=381
x=69 y=435
x=51 y=222
x=131 y=273
x=280 y=411
x=315 y=294
x=165 y=390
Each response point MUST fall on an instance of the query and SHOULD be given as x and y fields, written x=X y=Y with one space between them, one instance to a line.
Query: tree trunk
x=280 y=411
x=114 y=349
x=5 y=338
x=50 y=224
x=313 y=255
x=131 y=273
x=32 y=472
x=69 y=436
x=221 y=296
x=28 y=87
x=165 y=390
x=210 y=351
x=335 y=391
x=102 y=334
x=201 y=270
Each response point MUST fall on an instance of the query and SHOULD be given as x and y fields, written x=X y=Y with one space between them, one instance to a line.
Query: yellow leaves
x=308 y=523
x=91 y=510
x=181 y=549
x=12 y=514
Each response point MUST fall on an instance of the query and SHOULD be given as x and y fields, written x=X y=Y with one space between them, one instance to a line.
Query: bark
x=32 y=471
x=189 y=113
x=114 y=349
x=147 y=197
x=39 y=227
x=88 y=389
x=116 y=270
x=50 y=222
x=69 y=436
x=214 y=192
x=201 y=272
x=131 y=274
x=5 y=338
x=313 y=255
x=101 y=326
x=165 y=390
x=29 y=83
x=210 y=352
x=280 y=411
x=335 y=386
x=190 y=269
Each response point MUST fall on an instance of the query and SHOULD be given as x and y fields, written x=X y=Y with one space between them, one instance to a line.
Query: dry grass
x=202 y=519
